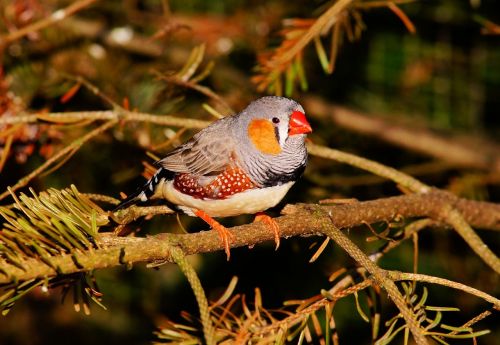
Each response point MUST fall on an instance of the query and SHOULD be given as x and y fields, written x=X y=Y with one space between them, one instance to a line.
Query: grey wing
x=206 y=153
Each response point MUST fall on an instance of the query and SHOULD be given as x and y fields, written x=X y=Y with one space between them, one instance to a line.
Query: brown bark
x=300 y=219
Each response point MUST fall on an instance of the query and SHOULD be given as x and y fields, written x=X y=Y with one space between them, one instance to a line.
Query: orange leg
x=225 y=235
x=262 y=217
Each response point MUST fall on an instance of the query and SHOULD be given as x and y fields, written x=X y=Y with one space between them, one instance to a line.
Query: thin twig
x=76 y=144
x=379 y=276
x=318 y=26
x=474 y=320
x=129 y=116
x=103 y=198
x=458 y=150
x=57 y=16
x=396 y=276
x=95 y=90
x=188 y=270
x=197 y=87
x=368 y=165
x=304 y=313
x=168 y=120
x=6 y=151
x=132 y=213
x=453 y=217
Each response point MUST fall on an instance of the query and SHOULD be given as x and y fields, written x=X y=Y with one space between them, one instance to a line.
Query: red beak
x=298 y=124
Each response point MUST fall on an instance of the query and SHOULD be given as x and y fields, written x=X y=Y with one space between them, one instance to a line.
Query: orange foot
x=262 y=217
x=225 y=235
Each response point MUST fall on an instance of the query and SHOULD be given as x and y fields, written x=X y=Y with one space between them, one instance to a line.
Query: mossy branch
x=379 y=276
x=298 y=220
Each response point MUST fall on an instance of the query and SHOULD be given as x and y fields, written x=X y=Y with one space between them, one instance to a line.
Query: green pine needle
x=42 y=226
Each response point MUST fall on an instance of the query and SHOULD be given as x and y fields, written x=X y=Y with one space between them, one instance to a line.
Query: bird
x=239 y=164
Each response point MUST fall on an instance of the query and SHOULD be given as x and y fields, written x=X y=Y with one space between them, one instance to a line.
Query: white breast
x=247 y=202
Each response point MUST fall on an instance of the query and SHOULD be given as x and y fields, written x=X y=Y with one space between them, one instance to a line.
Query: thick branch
x=298 y=220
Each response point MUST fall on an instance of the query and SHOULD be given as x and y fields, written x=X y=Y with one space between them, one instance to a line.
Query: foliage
x=43 y=226
x=342 y=20
x=90 y=89
x=310 y=320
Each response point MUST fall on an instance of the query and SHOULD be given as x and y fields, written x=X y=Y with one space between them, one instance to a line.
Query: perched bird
x=240 y=164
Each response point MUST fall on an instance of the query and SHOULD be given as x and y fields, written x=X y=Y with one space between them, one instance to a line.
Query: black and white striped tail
x=147 y=191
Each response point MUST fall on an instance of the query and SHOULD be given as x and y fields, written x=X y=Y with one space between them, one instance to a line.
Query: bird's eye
x=276 y=120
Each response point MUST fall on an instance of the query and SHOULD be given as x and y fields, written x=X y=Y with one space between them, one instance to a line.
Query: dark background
x=445 y=77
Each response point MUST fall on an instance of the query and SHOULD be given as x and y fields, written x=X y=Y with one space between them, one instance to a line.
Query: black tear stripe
x=277 y=133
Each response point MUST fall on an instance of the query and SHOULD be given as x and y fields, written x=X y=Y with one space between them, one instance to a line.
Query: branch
x=57 y=16
x=379 y=276
x=70 y=118
x=455 y=219
x=459 y=151
x=403 y=179
x=344 y=288
x=396 y=276
x=324 y=20
x=63 y=154
x=299 y=220
x=452 y=150
x=129 y=116
x=378 y=169
x=188 y=270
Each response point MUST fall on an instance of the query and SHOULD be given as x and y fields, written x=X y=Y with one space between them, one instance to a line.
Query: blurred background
x=444 y=79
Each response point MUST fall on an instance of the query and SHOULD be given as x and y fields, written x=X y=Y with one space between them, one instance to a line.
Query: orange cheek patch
x=262 y=135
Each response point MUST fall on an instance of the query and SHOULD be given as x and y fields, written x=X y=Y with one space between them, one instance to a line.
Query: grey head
x=271 y=134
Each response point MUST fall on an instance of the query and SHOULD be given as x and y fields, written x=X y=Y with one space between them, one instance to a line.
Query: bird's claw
x=262 y=217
